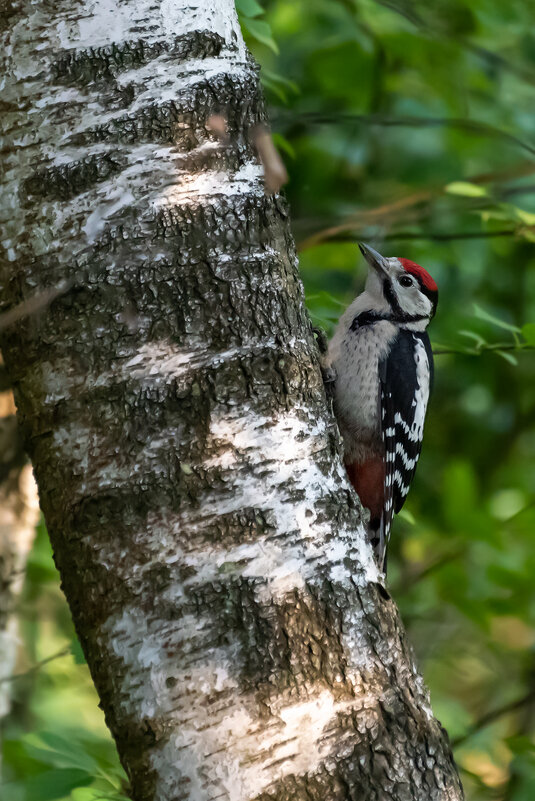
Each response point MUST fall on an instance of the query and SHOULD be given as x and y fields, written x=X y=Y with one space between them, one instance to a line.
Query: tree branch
x=410 y=579
x=409 y=121
x=490 y=717
x=389 y=212
x=479 y=349
x=38 y=666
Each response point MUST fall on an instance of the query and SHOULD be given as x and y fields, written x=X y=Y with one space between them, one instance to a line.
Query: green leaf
x=520 y=744
x=281 y=143
x=261 y=31
x=407 y=516
x=442 y=346
x=88 y=794
x=326 y=297
x=59 y=751
x=76 y=650
x=324 y=321
x=274 y=87
x=249 y=8
x=15 y=754
x=526 y=217
x=528 y=332
x=478 y=339
x=55 y=784
x=278 y=84
x=96 y=794
x=40 y=567
x=465 y=189
x=489 y=318
x=493 y=215
x=508 y=357
x=275 y=76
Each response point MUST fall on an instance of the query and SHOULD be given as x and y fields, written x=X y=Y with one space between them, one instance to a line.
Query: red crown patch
x=419 y=272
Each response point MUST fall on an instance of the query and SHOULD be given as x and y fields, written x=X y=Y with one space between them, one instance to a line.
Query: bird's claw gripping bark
x=328 y=373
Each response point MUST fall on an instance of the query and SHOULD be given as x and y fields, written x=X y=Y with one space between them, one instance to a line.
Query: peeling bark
x=209 y=544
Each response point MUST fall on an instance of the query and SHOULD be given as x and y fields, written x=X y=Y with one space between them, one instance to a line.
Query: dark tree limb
x=492 y=716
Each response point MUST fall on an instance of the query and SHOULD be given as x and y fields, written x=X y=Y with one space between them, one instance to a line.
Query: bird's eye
x=406 y=280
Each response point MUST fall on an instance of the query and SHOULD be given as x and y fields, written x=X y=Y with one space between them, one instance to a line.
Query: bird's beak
x=374 y=259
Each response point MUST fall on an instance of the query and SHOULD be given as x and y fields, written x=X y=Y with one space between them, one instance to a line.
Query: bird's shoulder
x=407 y=349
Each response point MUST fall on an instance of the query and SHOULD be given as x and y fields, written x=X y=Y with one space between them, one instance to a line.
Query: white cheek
x=426 y=304
x=416 y=303
x=408 y=299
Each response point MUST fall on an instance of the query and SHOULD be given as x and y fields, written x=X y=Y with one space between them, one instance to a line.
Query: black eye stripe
x=398 y=315
x=391 y=298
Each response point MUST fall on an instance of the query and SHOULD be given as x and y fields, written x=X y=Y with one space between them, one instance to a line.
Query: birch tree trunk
x=19 y=513
x=209 y=545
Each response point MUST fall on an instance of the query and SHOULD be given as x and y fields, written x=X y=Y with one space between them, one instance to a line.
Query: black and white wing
x=406 y=376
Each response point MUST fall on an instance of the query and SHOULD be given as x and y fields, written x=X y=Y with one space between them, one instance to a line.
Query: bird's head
x=402 y=287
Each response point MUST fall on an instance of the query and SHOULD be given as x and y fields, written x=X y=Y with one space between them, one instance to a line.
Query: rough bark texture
x=19 y=513
x=209 y=545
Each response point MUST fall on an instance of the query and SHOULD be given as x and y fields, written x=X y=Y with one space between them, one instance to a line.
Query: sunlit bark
x=209 y=545
x=19 y=513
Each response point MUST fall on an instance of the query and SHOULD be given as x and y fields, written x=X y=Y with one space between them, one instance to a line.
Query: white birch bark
x=19 y=514
x=209 y=545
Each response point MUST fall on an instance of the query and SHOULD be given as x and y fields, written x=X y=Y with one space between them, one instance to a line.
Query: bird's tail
x=380 y=536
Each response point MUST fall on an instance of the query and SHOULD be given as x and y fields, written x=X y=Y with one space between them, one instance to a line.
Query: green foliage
x=55 y=743
x=257 y=30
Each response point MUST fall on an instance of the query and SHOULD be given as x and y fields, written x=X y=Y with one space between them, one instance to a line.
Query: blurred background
x=409 y=125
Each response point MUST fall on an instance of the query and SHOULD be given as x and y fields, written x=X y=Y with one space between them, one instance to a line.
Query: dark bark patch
x=290 y=642
x=84 y=67
x=182 y=123
x=368 y=771
x=68 y=180
x=12 y=454
x=237 y=528
x=8 y=9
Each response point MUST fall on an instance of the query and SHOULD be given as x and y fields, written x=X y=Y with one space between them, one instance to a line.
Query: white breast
x=355 y=356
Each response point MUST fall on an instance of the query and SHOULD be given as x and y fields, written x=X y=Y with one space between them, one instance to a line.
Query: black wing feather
x=402 y=401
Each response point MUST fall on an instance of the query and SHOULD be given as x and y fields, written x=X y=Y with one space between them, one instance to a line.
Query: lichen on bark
x=189 y=469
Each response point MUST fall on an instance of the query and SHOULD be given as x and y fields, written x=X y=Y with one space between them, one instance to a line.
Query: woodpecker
x=381 y=363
